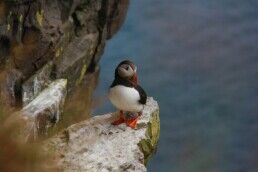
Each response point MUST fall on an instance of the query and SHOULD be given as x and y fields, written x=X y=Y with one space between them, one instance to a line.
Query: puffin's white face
x=126 y=71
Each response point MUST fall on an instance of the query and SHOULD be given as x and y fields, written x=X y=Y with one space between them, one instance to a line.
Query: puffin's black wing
x=143 y=95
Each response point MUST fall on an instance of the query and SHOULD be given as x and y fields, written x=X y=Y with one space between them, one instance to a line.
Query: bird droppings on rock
x=43 y=111
x=88 y=146
x=36 y=83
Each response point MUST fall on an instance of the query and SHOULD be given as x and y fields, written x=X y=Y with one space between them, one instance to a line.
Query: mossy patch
x=8 y=27
x=9 y=17
x=20 y=22
x=154 y=128
x=148 y=146
x=83 y=71
x=57 y=54
x=39 y=17
x=20 y=18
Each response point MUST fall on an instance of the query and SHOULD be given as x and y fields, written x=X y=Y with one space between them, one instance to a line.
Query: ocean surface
x=199 y=60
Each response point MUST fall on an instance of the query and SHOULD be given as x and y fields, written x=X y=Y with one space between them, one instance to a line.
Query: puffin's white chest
x=125 y=98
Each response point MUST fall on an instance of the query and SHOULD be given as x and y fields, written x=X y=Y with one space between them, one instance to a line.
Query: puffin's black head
x=126 y=70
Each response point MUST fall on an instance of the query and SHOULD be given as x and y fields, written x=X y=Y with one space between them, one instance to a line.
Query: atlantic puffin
x=126 y=95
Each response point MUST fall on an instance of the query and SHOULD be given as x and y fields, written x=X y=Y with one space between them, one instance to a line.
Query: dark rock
x=11 y=87
x=117 y=10
x=4 y=49
x=70 y=33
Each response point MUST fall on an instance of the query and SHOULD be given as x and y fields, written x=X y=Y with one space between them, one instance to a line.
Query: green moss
x=20 y=18
x=9 y=20
x=39 y=17
x=20 y=22
x=8 y=27
x=154 y=128
x=148 y=146
x=83 y=71
x=57 y=53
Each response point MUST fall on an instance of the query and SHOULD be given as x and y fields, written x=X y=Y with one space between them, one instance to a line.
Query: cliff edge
x=96 y=145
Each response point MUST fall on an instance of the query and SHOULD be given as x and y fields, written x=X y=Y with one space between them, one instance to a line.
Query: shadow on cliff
x=15 y=154
x=18 y=155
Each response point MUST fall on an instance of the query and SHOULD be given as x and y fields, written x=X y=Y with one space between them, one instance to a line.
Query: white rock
x=97 y=146
x=45 y=109
x=36 y=83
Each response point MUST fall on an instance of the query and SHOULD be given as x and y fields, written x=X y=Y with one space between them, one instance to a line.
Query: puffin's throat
x=134 y=79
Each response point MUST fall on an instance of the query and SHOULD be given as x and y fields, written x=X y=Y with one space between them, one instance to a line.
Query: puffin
x=126 y=94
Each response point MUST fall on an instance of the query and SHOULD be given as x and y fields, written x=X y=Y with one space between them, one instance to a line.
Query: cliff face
x=96 y=145
x=49 y=54
x=43 y=41
x=70 y=35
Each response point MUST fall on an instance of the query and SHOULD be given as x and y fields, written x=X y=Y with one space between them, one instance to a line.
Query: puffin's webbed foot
x=120 y=120
x=132 y=122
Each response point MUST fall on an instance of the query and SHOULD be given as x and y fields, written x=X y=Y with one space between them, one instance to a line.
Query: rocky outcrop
x=71 y=34
x=49 y=54
x=45 y=110
x=117 y=10
x=36 y=83
x=43 y=41
x=96 y=145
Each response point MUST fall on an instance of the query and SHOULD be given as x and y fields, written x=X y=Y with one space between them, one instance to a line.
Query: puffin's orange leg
x=120 y=120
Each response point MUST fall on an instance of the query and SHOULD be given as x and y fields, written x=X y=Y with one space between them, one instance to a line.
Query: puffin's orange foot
x=120 y=120
x=132 y=122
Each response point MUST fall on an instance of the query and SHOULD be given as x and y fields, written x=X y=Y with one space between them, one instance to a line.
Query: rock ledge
x=96 y=145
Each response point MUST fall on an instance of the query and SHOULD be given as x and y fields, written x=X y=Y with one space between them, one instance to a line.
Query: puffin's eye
x=127 y=67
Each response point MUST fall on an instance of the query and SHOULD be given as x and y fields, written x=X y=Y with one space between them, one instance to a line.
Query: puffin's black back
x=143 y=95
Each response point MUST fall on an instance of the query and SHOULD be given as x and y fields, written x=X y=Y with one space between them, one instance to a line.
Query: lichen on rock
x=148 y=145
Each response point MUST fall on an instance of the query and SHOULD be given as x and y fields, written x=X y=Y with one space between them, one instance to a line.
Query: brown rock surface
x=71 y=33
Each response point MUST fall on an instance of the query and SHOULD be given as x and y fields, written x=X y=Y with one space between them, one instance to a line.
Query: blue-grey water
x=199 y=60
